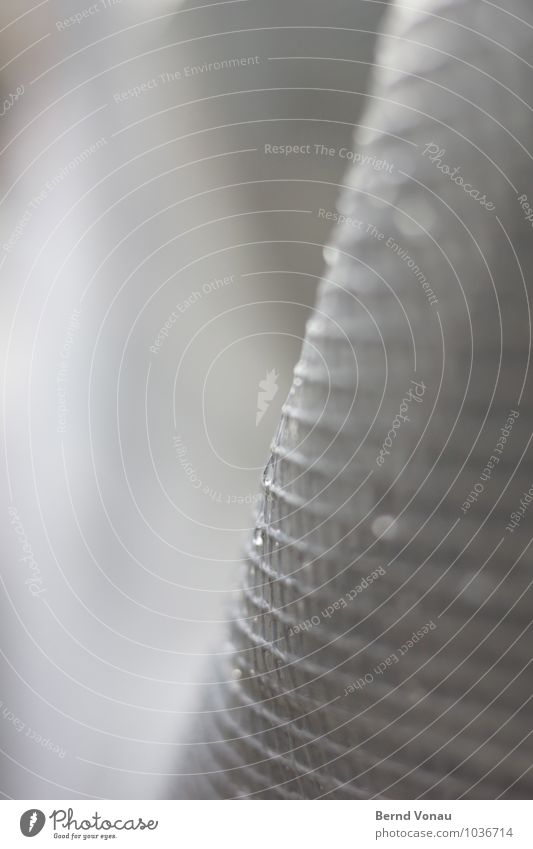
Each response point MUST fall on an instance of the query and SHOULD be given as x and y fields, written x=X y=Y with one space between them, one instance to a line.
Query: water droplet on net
x=384 y=526
x=331 y=255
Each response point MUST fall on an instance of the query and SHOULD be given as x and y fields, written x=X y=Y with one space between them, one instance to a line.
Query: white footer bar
x=267 y=824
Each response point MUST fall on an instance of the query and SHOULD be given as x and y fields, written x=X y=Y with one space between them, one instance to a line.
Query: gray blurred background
x=158 y=265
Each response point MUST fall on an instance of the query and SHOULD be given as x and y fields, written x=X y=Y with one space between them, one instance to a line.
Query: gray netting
x=382 y=645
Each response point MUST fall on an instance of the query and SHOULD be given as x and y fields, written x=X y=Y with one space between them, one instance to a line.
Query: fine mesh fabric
x=381 y=645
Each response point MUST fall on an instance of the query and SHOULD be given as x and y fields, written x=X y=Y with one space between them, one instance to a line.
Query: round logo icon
x=32 y=822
